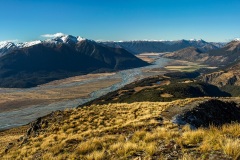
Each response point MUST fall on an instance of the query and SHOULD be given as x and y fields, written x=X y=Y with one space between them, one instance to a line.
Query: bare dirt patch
x=166 y=95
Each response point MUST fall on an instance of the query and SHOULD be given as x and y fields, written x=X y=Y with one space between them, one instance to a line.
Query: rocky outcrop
x=212 y=112
x=36 y=125
x=211 y=78
x=230 y=76
x=224 y=56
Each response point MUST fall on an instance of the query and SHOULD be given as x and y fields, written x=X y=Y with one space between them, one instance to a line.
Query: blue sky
x=211 y=20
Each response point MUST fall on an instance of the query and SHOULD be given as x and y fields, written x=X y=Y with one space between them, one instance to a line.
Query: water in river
x=23 y=116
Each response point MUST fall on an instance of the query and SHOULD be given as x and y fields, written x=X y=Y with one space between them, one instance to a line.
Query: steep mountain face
x=5 y=47
x=138 y=47
x=226 y=55
x=28 y=44
x=188 y=54
x=212 y=112
x=60 y=58
x=227 y=76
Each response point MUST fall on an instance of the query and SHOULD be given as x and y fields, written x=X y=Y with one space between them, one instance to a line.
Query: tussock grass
x=96 y=155
x=225 y=139
x=231 y=147
x=123 y=131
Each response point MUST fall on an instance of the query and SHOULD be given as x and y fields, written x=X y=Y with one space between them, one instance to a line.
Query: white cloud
x=52 y=35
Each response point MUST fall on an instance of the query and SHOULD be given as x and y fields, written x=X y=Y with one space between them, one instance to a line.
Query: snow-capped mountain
x=28 y=44
x=220 y=57
x=237 y=39
x=39 y=62
x=6 y=46
x=136 y=46
x=68 y=39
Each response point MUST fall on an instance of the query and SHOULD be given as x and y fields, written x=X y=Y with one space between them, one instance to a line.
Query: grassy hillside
x=161 y=89
x=123 y=131
x=109 y=128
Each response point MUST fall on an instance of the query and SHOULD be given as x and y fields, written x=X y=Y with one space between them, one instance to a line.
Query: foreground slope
x=123 y=131
x=138 y=130
x=57 y=59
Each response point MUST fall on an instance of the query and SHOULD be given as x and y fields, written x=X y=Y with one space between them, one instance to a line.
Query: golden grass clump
x=89 y=146
x=192 y=137
x=231 y=147
x=96 y=155
x=225 y=139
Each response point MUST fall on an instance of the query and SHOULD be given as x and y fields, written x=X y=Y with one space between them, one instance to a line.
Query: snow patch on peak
x=3 y=44
x=6 y=44
x=196 y=40
x=28 y=44
x=68 y=39
x=193 y=39
x=80 y=38
x=237 y=39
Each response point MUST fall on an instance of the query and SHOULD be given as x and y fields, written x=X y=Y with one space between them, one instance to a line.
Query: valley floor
x=21 y=106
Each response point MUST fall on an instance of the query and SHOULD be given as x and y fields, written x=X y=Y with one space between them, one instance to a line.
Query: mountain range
x=170 y=116
x=227 y=78
x=137 y=47
x=219 y=57
x=33 y=63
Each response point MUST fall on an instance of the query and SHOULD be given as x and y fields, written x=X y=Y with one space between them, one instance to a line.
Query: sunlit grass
x=123 y=131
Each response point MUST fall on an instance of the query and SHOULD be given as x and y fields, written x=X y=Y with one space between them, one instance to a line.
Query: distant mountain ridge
x=219 y=57
x=187 y=54
x=226 y=55
x=39 y=62
x=137 y=47
x=229 y=75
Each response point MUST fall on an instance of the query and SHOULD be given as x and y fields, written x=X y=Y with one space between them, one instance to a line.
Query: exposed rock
x=230 y=76
x=210 y=78
x=212 y=112
x=10 y=145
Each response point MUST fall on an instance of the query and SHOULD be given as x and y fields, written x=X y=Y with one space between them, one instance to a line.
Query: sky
x=115 y=20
